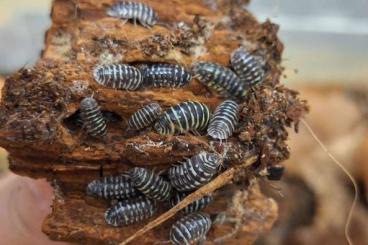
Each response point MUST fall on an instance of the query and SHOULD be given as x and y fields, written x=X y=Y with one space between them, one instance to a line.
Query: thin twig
x=353 y=181
x=221 y=180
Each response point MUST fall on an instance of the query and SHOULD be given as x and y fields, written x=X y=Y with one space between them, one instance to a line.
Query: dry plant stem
x=221 y=180
x=353 y=181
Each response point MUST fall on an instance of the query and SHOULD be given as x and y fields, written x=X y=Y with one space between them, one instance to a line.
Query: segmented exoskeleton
x=165 y=75
x=190 y=229
x=224 y=120
x=194 y=172
x=112 y=187
x=110 y=117
x=92 y=118
x=247 y=67
x=135 y=11
x=184 y=117
x=150 y=184
x=118 y=76
x=145 y=116
x=192 y=207
x=219 y=78
x=130 y=211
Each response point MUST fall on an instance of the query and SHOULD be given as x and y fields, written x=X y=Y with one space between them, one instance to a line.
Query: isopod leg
x=124 y=21
x=145 y=24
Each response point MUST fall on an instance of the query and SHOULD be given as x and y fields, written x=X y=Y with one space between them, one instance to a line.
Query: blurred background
x=326 y=59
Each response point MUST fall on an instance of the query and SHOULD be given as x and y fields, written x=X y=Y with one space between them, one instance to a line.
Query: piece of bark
x=38 y=105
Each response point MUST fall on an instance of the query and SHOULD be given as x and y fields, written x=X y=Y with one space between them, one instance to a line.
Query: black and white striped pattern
x=150 y=184
x=130 y=211
x=247 y=67
x=92 y=118
x=219 y=78
x=165 y=75
x=184 y=117
x=118 y=76
x=224 y=120
x=135 y=11
x=194 y=172
x=190 y=229
x=144 y=117
x=112 y=187
x=192 y=207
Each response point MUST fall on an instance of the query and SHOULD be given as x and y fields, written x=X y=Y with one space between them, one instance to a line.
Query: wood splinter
x=220 y=181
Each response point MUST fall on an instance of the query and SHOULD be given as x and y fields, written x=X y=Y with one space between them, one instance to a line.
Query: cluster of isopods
x=138 y=190
x=189 y=116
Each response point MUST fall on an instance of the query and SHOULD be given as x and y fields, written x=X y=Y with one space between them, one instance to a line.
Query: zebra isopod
x=112 y=187
x=194 y=206
x=130 y=211
x=224 y=120
x=220 y=79
x=118 y=76
x=92 y=118
x=135 y=11
x=165 y=75
x=190 y=229
x=145 y=116
x=194 y=172
x=150 y=184
x=184 y=117
x=247 y=67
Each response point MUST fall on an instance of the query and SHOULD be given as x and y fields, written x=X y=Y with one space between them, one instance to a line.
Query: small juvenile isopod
x=130 y=211
x=194 y=206
x=144 y=117
x=275 y=172
x=247 y=67
x=135 y=11
x=272 y=172
x=150 y=184
x=194 y=172
x=219 y=78
x=165 y=75
x=118 y=76
x=112 y=187
x=184 y=117
x=92 y=118
x=190 y=229
x=224 y=120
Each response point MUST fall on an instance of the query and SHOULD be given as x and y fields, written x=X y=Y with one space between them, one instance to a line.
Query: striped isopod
x=150 y=184
x=109 y=117
x=247 y=67
x=224 y=120
x=190 y=229
x=165 y=75
x=135 y=11
x=130 y=211
x=184 y=117
x=194 y=206
x=194 y=172
x=93 y=120
x=219 y=78
x=112 y=187
x=118 y=76
x=145 y=116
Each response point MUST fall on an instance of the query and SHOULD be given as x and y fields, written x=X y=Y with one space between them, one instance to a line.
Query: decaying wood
x=218 y=182
x=38 y=128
